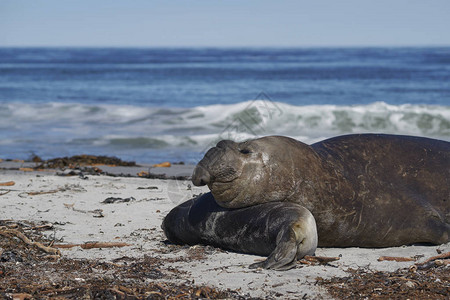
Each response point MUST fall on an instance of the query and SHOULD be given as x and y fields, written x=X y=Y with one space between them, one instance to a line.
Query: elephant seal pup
x=284 y=232
x=368 y=190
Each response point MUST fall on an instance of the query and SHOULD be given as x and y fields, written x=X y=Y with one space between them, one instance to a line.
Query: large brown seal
x=283 y=231
x=368 y=190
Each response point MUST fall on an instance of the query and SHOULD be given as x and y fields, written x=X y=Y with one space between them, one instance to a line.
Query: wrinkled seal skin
x=284 y=232
x=368 y=190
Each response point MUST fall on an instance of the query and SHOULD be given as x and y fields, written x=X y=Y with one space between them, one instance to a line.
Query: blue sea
x=153 y=105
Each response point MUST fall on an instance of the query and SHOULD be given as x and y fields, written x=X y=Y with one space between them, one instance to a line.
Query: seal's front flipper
x=284 y=256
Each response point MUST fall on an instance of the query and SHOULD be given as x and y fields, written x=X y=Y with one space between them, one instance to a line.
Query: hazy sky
x=220 y=23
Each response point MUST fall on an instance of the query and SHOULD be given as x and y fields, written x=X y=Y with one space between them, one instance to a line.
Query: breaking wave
x=44 y=128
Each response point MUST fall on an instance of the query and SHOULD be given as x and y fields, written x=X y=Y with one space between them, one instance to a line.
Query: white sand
x=73 y=208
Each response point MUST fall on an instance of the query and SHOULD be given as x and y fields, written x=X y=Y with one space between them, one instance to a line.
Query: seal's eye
x=245 y=151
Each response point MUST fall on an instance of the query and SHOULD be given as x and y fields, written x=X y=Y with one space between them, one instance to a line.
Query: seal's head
x=251 y=172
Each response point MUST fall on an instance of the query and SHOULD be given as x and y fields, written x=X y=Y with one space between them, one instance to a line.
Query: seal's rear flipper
x=284 y=256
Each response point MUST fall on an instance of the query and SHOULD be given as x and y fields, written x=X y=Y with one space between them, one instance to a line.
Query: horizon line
x=229 y=46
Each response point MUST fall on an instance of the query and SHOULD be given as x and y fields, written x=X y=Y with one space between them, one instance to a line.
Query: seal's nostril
x=200 y=176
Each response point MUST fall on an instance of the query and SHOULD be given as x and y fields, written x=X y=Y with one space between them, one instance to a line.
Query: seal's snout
x=200 y=176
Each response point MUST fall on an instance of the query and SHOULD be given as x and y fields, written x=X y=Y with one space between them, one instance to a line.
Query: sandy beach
x=122 y=207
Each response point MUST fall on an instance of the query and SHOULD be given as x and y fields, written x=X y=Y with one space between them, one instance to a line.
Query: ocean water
x=153 y=105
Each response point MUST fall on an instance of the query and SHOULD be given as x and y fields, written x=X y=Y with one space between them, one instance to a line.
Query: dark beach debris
x=125 y=285
x=186 y=253
x=81 y=172
x=443 y=259
x=110 y=200
x=10 y=256
x=14 y=160
x=322 y=260
x=147 y=188
x=12 y=233
x=4 y=192
x=97 y=213
x=36 y=159
x=440 y=256
x=144 y=174
x=27 y=271
x=65 y=188
x=200 y=252
x=83 y=165
x=12 y=229
x=402 y=284
x=433 y=264
x=27 y=274
x=83 y=160
x=45 y=226
x=426 y=280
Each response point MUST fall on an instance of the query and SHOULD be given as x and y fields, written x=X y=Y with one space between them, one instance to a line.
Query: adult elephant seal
x=368 y=190
x=283 y=231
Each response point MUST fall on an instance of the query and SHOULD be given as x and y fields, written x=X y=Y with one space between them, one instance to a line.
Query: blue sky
x=224 y=23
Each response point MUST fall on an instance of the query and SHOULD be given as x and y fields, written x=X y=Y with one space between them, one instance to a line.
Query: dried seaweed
x=26 y=273
x=401 y=284
x=83 y=160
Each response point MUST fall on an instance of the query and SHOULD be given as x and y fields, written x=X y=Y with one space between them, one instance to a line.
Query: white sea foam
x=112 y=127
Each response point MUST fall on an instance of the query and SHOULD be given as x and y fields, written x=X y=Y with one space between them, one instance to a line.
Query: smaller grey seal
x=282 y=231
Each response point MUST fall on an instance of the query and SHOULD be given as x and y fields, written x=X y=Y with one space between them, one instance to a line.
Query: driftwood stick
x=13 y=232
x=8 y=183
x=320 y=259
x=43 y=227
x=42 y=192
x=65 y=246
x=4 y=192
x=91 y=245
x=432 y=264
x=440 y=256
x=395 y=258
